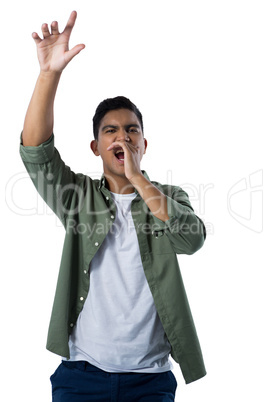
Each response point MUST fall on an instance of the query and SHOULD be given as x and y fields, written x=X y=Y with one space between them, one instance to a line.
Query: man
x=120 y=307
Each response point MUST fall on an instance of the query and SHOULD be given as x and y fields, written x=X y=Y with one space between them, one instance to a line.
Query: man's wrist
x=50 y=75
x=138 y=181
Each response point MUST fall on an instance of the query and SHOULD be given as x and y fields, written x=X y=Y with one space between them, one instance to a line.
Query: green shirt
x=87 y=211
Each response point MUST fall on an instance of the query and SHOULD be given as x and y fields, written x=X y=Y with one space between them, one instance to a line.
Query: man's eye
x=110 y=131
x=133 y=130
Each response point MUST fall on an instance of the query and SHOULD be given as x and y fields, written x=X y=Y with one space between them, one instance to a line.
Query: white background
x=198 y=72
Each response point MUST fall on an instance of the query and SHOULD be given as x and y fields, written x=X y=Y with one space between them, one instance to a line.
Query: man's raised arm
x=53 y=55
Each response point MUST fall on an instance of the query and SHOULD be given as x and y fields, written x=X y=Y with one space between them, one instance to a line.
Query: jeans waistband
x=81 y=365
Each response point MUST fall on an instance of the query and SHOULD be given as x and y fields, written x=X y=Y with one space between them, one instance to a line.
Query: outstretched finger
x=54 y=28
x=70 y=23
x=45 y=30
x=36 y=38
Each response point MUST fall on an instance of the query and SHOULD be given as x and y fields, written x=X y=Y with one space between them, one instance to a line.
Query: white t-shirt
x=119 y=329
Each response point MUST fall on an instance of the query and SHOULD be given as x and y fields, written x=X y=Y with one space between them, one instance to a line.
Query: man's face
x=118 y=125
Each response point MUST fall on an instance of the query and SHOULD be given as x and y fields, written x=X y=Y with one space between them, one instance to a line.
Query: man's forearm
x=154 y=198
x=39 y=119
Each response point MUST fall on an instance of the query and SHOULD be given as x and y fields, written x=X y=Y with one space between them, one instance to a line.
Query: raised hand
x=132 y=158
x=53 y=50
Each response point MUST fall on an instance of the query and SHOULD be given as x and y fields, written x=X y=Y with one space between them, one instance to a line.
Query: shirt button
x=85 y=271
x=71 y=325
x=107 y=198
x=96 y=244
x=112 y=217
x=81 y=298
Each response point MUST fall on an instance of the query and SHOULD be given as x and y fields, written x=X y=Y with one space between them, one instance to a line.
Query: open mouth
x=119 y=153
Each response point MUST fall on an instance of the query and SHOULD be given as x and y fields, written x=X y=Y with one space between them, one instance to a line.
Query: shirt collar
x=103 y=182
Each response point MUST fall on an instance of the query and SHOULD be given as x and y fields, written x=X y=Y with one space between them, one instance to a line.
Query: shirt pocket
x=161 y=243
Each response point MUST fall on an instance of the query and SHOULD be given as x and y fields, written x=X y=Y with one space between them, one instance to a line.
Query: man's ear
x=94 y=147
x=145 y=145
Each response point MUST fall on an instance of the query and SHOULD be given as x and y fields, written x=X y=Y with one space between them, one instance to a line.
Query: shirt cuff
x=40 y=154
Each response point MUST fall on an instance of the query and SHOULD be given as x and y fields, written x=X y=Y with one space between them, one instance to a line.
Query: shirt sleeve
x=56 y=183
x=185 y=230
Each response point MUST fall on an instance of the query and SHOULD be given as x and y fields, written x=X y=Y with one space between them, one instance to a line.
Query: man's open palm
x=53 y=51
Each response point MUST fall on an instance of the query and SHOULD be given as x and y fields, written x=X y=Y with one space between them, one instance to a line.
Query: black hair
x=119 y=102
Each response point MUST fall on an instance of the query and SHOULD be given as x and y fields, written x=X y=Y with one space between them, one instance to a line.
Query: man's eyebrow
x=108 y=126
x=132 y=125
x=127 y=126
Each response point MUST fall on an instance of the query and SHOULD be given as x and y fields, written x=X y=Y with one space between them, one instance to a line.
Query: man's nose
x=122 y=135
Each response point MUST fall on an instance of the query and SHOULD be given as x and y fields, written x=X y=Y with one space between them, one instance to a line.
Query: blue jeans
x=83 y=382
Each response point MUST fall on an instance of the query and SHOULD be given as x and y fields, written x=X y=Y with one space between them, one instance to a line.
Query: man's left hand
x=132 y=158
